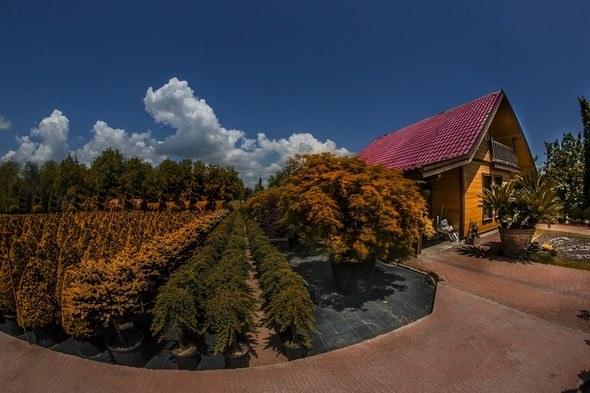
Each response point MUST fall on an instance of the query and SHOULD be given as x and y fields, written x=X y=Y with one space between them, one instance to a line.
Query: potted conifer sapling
x=175 y=314
x=290 y=312
x=229 y=317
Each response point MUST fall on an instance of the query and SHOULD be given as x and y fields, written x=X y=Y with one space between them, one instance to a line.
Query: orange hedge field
x=122 y=250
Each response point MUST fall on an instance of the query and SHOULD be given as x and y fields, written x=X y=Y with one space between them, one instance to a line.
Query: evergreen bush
x=291 y=311
x=175 y=311
x=180 y=304
x=287 y=304
x=576 y=213
x=15 y=259
x=229 y=316
x=100 y=294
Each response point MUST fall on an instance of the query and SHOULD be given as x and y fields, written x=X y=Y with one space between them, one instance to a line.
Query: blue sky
x=346 y=71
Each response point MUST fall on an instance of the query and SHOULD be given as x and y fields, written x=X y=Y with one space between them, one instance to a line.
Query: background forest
x=567 y=164
x=71 y=186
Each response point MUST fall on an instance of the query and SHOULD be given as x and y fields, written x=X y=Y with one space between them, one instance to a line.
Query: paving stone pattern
x=399 y=296
x=497 y=326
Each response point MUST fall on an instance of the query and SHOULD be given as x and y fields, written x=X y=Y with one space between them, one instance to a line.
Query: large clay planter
x=353 y=278
x=515 y=242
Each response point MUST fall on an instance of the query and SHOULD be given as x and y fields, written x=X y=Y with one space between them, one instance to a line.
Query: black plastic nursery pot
x=293 y=352
x=10 y=326
x=131 y=353
x=187 y=358
x=353 y=278
x=48 y=336
x=239 y=359
x=88 y=347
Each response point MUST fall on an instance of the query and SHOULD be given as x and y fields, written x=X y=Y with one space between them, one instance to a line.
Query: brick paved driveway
x=496 y=327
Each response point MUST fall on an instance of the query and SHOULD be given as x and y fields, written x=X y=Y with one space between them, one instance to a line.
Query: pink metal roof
x=441 y=137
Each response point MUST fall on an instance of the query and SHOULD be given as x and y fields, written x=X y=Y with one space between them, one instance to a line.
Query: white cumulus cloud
x=5 y=124
x=129 y=144
x=197 y=134
x=49 y=141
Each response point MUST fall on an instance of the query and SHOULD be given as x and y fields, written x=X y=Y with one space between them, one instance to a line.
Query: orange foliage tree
x=352 y=210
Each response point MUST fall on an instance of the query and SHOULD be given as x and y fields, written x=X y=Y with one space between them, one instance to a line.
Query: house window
x=488 y=214
x=498 y=180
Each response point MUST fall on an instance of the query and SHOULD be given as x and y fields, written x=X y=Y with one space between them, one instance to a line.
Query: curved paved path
x=483 y=336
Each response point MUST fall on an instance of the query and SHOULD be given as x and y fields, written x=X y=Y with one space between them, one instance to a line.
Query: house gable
x=443 y=138
x=452 y=139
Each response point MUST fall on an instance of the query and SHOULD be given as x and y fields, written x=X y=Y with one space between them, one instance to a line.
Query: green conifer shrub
x=175 y=311
x=287 y=304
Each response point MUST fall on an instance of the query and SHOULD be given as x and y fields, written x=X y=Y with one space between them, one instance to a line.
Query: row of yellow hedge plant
x=99 y=294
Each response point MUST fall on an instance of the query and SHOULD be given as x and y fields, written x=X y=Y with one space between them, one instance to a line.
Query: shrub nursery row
x=286 y=301
x=209 y=294
x=88 y=270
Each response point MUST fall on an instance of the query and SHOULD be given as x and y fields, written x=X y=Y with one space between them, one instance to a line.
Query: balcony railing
x=503 y=154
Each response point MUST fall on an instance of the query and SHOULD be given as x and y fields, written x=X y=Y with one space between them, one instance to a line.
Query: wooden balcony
x=503 y=154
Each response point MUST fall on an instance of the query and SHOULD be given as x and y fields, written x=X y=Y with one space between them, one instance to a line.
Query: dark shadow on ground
x=492 y=251
x=318 y=274
x=273 y=342
x=472 y=251
x=398 y=296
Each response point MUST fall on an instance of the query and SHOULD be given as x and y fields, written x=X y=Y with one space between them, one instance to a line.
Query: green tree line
x=567 y=164
x=70 y=185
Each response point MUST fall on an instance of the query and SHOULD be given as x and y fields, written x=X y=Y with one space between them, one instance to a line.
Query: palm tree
x=537 y=195
x=501 y=200
x=518 y=206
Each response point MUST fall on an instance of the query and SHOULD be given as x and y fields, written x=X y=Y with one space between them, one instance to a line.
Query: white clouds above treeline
x=46 y=142
x=197 y=134
x=5 y=124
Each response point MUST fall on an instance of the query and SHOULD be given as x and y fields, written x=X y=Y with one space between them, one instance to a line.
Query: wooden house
x=455 y=154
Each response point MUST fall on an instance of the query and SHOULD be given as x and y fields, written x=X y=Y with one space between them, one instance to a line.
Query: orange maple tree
x=352 y=210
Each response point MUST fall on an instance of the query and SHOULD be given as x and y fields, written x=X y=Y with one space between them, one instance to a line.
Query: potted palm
x=175 y=314
x=518 y=206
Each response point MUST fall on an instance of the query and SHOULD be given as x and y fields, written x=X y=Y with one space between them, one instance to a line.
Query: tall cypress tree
x=585 y=113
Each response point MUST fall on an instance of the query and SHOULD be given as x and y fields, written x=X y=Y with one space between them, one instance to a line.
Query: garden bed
x=569 y=249
x=214 y=278
x=399 y=297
